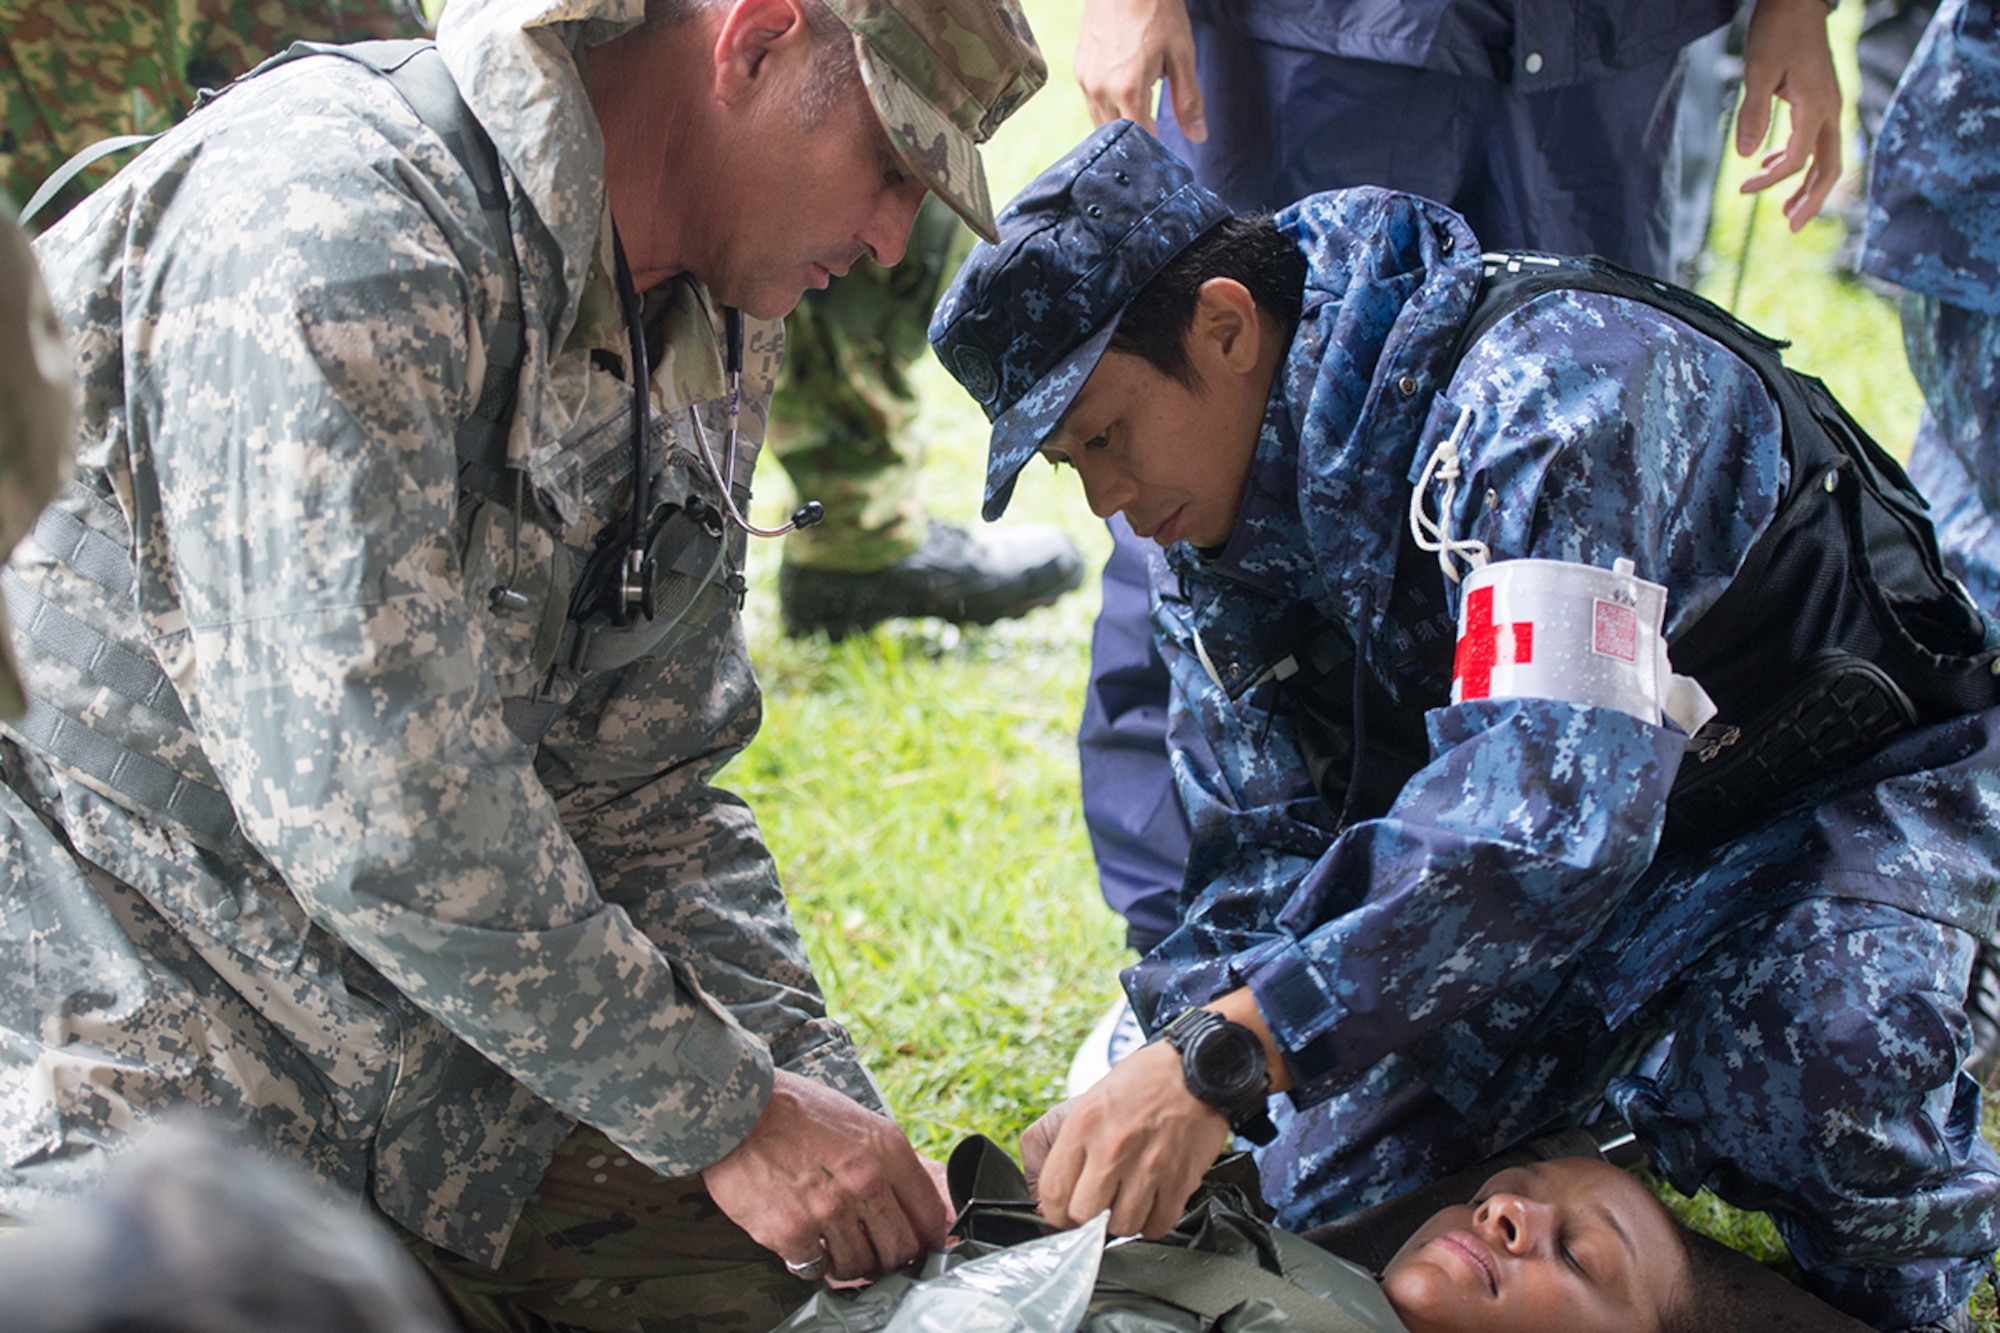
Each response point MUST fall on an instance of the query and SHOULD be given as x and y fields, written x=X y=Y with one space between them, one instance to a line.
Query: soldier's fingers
x=920 y=1212
x=1753 y=118
x=849 y=1253
x=891 y=1234
x=1058 y=1180
x=1185 y=89
x=1804 y=205
x=1102 y=1185
x=1039 y=1141
x=1134 y=102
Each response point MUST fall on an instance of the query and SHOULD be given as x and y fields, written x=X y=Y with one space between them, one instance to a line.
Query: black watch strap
x=1245 y=1108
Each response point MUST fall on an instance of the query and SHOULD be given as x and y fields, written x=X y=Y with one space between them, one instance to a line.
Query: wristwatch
x=1223 y=1063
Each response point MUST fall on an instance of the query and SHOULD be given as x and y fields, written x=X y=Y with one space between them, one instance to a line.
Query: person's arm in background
x=1124 y=48
x=1786 y=58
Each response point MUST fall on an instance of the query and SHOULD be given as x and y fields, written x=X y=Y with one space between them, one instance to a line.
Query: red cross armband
x=1549 y=629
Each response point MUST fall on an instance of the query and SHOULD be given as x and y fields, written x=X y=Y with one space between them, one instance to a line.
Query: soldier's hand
x=1786 y=56
x=821 y=1174
x=1124 y=48
x=1137 y=1143
x=1037 y=1142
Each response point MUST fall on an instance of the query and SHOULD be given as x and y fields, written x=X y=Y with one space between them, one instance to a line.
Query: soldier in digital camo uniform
x=1448 y=919
x=1934 y=230
x=327 y=814
x=75 y=73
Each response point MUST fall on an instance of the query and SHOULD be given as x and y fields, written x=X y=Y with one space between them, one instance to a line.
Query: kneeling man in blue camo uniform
x=1573 y=675
x=381 y=661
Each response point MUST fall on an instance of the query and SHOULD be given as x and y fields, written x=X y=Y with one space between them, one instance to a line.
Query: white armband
x=1549 y=629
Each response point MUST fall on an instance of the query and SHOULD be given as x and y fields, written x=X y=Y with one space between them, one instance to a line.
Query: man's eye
x=1098 y=441
x=892 y=174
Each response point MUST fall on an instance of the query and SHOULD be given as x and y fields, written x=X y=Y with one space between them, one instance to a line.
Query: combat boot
x=967 y=578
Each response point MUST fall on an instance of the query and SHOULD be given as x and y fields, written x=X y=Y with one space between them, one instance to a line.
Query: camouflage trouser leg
x=1955 y=356
x=1815 y=1074
x=606 y=1246
x=844 y=397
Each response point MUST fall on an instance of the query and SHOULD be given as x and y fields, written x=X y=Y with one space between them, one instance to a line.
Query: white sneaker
x=1115 y=1036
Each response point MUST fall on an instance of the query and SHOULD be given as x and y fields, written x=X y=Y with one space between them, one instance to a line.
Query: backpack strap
x=196 y=804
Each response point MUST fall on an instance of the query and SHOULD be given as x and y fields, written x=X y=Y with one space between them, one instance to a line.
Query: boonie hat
x=942 y=75
x=1028 y=317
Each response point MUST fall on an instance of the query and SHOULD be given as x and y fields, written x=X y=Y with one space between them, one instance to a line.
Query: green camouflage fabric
x=36 y=397
x=943 y=74
x=440 y=948
x=844 y=399
x=606 y=1246
x=77 y=71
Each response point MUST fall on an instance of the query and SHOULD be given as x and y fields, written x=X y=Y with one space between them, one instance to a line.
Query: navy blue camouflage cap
x=1028 y=316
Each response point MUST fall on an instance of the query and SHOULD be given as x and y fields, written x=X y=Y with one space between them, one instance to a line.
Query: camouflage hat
x=943 y=74
x=36 y=396
x=1027 y=318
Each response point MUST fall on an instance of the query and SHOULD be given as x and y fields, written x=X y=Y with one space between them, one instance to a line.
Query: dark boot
x=968 y=578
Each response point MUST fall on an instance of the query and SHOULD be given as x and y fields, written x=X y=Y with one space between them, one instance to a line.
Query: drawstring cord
x=1435 y=534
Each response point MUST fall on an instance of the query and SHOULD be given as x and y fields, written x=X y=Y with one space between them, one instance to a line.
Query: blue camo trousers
x=1814 y=1075
x=1954 y=354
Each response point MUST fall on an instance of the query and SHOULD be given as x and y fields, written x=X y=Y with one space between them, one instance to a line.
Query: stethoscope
x=635 y=571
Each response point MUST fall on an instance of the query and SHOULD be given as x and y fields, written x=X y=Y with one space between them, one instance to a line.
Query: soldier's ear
x=1225 y=334
x=757 y=39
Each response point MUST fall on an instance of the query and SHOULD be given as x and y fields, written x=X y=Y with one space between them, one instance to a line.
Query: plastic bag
x=1043 y=1286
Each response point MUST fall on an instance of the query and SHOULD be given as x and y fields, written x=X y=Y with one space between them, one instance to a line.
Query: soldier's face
x=807 y=197
x=1174 y=457
x=1572 y=1244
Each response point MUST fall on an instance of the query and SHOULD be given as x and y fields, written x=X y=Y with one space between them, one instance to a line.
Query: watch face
x=1230 y=1062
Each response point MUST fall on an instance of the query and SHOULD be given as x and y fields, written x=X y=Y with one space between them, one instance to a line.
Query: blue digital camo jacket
x=1934 y=176
x=1524 y=851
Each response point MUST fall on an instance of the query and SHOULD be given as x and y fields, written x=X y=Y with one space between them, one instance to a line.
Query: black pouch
x=684 y=582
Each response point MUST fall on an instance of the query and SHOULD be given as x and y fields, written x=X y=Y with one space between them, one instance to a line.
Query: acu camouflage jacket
x=439 y=946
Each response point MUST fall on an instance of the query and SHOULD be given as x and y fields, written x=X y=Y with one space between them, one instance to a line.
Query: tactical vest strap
x=200 y=811
x=83 y=548
x=418 y=74
x=1840 y=630
x=120 y=670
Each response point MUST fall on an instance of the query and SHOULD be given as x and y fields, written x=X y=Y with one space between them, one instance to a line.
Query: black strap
x=1211 y=1286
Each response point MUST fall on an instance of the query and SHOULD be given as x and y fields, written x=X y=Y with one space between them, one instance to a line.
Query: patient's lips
x=1476 y=1255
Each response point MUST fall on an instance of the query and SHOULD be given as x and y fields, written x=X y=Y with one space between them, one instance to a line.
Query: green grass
x=918 y=785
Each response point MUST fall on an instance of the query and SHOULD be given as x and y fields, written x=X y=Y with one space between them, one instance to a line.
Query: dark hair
x=1726 y=1291
x=1246 y=247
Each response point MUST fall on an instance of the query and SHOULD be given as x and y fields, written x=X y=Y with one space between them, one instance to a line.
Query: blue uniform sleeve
x=1601 y=429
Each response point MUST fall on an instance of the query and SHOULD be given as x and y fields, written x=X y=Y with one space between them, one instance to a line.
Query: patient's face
x=1573 y=1244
